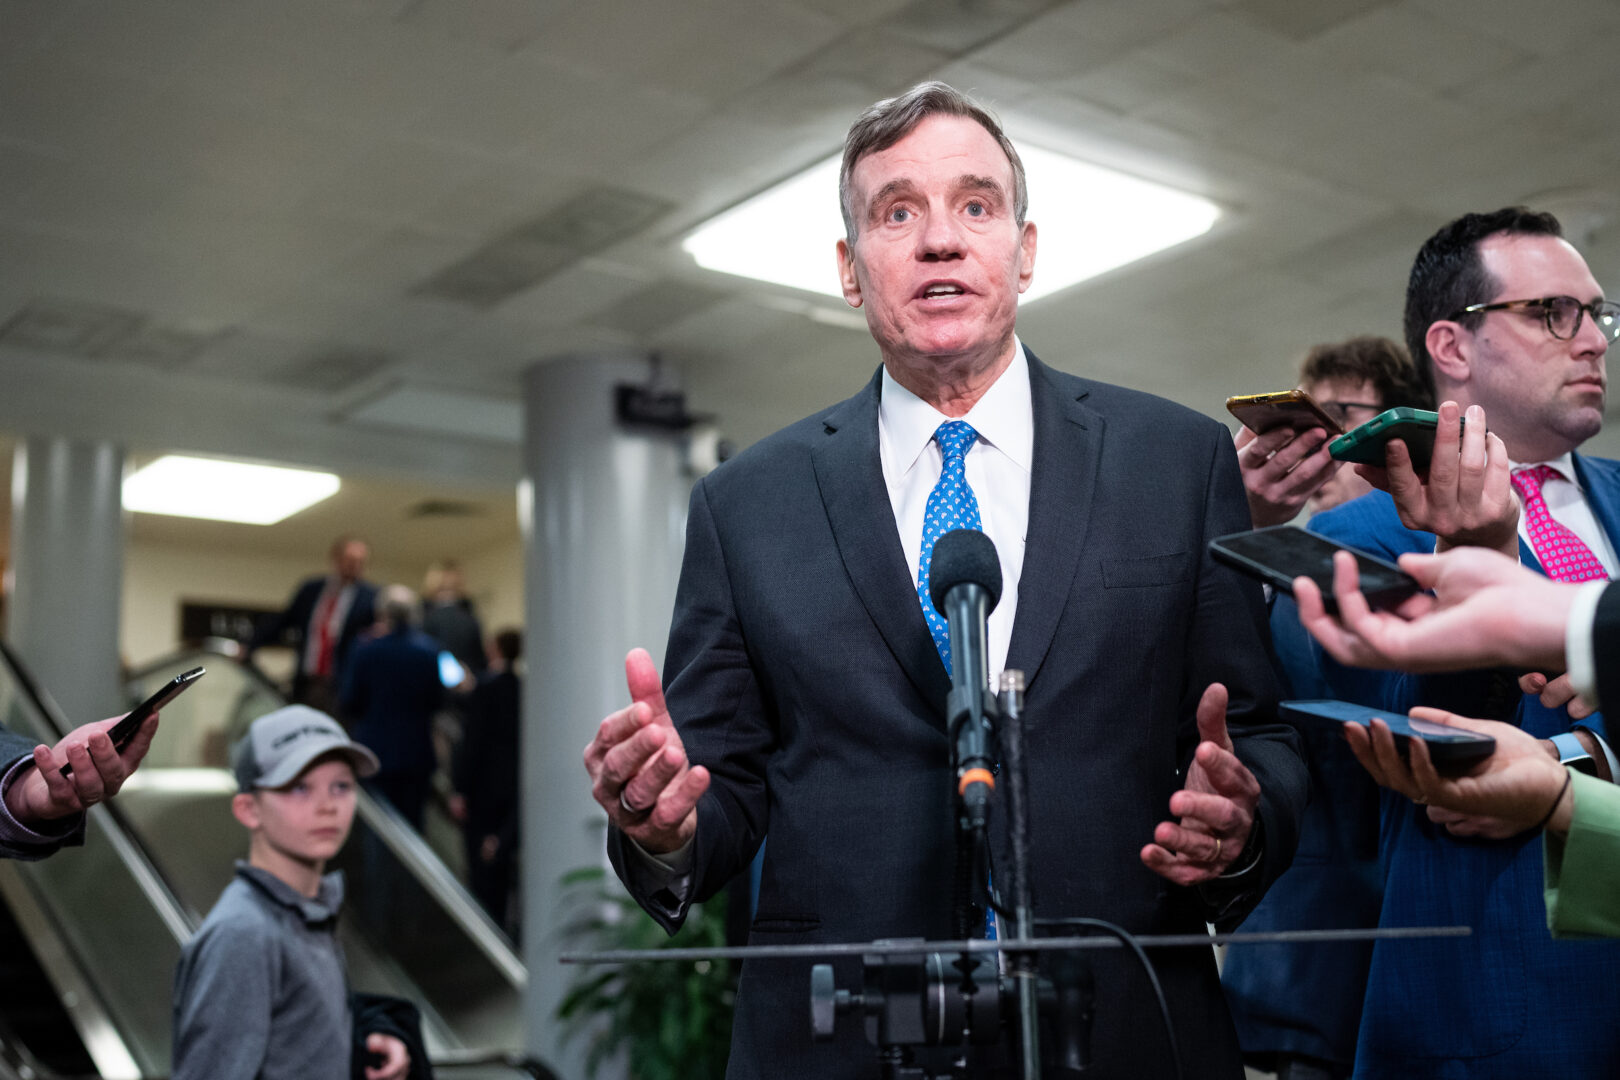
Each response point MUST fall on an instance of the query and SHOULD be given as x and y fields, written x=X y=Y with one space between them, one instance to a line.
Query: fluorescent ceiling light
x=1091 y=220
x=224 y=490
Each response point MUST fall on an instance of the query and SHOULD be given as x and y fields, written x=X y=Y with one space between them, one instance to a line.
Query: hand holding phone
x=1452 y=749
x=123 y=731
x=1366 y=444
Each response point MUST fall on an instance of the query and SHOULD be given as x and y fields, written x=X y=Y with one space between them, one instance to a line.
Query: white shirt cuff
x=1578 y=658
x=668 y=867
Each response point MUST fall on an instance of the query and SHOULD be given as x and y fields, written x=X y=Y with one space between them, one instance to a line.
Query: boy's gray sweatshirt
x=260 y=991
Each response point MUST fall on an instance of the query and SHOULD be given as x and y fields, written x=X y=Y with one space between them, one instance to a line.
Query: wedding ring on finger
x=1217 y=856
x=633 y=811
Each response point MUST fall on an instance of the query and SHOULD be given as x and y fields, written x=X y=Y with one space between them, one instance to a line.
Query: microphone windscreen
x=964 y=556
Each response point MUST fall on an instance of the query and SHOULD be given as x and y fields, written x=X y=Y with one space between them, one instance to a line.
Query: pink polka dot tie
x=1563 y=554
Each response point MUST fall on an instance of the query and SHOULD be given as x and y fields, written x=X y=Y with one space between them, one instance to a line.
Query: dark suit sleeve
x=1606 y=647
x=18 y=841
x=1230 y=644
x=272 y=629
x=716 y=702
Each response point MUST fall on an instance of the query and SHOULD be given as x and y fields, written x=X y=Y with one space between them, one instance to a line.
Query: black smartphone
x=1365 y=444
x=1282 y=553
x=123 y=731
x=1452 y=749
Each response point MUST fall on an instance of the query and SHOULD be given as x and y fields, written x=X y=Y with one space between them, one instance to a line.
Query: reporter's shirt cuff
x=1578 y=657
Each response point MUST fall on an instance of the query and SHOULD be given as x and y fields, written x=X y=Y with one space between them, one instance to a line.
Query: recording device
x=123 y=731
x=1452 y=749
x=964 y=581
x=1365 y=444
x=1296 y=409
x=1282 y=553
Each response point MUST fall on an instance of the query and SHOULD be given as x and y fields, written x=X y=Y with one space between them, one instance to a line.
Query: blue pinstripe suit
x=1508 y=1001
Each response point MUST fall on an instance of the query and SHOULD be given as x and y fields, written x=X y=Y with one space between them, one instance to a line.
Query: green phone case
x=1365 y=444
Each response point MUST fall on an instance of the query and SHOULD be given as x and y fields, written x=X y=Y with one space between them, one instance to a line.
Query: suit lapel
x=849 y=474
x=1600 y=496
x=1062 y=484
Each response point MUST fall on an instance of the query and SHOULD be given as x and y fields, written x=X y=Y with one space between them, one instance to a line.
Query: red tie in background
x=1563 y=554
x=323 y=631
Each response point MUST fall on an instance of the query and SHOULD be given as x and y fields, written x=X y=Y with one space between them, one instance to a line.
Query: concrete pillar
x=67 y=544
x=605 y=521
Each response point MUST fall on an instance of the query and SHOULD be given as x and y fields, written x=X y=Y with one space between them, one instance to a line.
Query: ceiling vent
x=68 y=326
x=332 y=370
x=443 y=508
x=524 y=256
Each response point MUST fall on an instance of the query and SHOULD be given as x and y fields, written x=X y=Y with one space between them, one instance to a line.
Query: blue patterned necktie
x=951 y=505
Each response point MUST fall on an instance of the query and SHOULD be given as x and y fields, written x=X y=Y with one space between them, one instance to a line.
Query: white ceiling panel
x=1411 y=44
x=288 y=174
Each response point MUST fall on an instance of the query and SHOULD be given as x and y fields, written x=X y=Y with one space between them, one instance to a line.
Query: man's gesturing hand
x=638 y=767
x=1216 y=807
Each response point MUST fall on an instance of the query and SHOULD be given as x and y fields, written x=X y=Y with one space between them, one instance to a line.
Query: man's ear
x=846 y=274
x=1451 y=348
x=245 y=807
x=1026 y=242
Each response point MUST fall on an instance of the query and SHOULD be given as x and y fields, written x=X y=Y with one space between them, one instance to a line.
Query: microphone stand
x=1021 y=964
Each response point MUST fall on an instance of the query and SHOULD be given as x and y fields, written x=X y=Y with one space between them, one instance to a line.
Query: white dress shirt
x=998 y=468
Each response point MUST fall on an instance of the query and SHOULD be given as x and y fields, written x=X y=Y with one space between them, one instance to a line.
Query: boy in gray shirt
x=260 y=991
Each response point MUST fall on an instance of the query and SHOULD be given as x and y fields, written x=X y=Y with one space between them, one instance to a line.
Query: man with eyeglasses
x=1506 y=317
x=1353 y=381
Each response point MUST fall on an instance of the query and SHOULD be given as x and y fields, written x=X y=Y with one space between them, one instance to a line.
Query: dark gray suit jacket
x=801 y=673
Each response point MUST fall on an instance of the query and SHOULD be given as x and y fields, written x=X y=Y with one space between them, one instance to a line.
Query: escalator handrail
x=182 y=655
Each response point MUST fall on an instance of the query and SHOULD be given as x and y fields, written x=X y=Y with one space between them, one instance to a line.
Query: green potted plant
x=671 y=1019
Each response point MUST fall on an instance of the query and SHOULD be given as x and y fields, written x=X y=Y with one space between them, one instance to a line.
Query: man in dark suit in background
x=807 y=672
x=321 y=621
x=392 y=689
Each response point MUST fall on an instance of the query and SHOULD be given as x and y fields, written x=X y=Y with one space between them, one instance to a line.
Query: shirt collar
x=1565 y=464
x=1003 y=417
x=314 y=910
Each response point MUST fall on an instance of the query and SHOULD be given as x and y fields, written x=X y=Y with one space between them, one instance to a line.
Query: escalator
x=89 y=938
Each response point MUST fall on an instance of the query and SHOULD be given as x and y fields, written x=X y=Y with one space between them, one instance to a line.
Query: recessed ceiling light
x=221 y=490
x=1090 y=220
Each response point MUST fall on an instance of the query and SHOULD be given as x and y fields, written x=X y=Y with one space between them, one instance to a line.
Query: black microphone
x=964 y=581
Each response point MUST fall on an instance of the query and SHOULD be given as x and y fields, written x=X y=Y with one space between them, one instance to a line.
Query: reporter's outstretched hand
x=1486 y=610
x=1215 y=809
x=1467 y=499
x=42 y=793
x=638 y=767
x=1507 y=793
x=1281 y=470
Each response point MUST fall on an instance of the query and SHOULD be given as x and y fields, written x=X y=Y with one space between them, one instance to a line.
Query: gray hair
x=397 y=605
x=887 y=122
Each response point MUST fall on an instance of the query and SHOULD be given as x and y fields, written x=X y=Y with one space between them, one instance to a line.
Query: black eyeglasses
x=1561 y=314
x=1340 y=410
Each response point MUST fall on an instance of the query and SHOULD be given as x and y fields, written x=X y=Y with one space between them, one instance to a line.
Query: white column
x=604 y=529
x=67 y=543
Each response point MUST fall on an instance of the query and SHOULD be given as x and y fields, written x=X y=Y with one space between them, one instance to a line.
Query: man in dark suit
x=321 y=622
x=392 y=689
x=806 y=680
